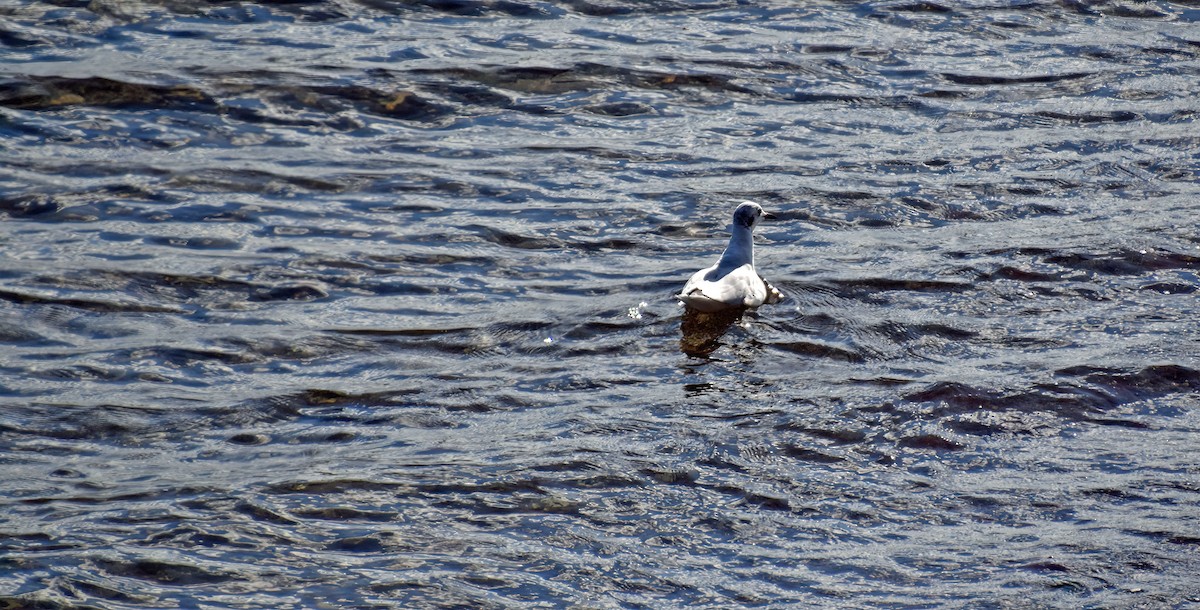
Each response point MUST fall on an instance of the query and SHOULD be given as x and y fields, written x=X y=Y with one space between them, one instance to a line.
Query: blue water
x=367 y=304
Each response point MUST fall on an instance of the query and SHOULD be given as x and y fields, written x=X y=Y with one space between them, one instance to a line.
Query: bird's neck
x=740 y=250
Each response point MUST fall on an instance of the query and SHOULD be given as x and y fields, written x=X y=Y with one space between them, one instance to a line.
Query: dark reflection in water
x=368 y=304
x=702 y=331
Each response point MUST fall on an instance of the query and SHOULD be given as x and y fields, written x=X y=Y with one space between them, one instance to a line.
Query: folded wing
x=709 y=291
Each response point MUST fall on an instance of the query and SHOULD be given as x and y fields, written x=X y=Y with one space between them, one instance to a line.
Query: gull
x=732 y=283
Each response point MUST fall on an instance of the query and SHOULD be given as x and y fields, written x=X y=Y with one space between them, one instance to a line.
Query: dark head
x=748 y=214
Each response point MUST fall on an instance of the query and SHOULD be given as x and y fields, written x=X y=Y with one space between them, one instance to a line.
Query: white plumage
x=733 y=282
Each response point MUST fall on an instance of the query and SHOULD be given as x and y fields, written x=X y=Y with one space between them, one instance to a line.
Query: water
x=368 y=304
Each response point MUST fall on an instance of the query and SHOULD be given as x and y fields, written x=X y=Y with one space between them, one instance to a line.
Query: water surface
x=368 y=304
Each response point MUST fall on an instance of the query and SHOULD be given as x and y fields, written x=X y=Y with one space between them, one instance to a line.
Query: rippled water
x=367 y=303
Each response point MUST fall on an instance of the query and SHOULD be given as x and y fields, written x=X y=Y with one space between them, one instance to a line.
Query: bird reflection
x=702 y=331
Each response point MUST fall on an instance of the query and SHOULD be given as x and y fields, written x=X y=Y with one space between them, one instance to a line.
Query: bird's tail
x=773 y=294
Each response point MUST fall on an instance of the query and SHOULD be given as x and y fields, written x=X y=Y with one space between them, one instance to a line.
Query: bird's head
x=748 y=214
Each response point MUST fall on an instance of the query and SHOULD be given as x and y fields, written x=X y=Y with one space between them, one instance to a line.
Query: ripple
x=49 y=92
x=175 y=574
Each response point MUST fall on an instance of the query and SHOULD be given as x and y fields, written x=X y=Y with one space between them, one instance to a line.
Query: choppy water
x=368 y=304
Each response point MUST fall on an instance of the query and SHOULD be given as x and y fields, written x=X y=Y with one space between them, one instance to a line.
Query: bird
x=733 y=282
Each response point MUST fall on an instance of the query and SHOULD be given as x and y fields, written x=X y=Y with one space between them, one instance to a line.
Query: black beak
x=768 y=215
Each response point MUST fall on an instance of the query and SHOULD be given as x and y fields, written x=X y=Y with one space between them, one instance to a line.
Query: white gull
x=733 y=282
